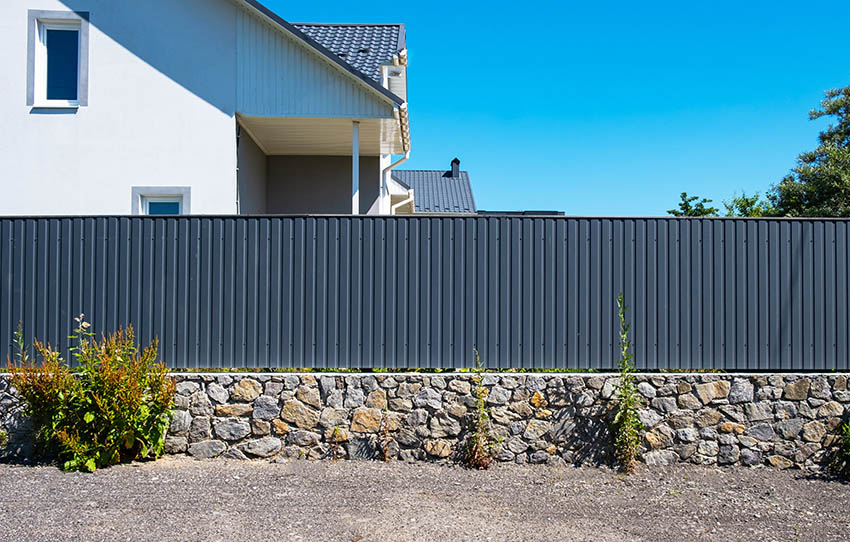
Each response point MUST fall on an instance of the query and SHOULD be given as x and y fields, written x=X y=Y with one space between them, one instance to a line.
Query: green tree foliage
x=749 y=206
x=693 y=206
x=820 y=183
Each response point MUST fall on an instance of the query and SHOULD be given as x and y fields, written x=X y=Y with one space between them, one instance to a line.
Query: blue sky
x=611 y=108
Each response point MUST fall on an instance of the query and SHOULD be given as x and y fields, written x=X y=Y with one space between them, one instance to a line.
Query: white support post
x=355 y=167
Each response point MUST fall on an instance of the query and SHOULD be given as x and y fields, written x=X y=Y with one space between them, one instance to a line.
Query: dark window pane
x=163 y=208
x=62 y=62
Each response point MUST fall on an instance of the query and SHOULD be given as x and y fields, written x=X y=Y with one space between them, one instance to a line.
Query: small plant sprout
x=386 y=440
x=22 y=356
x=841 y=462
x=335 y=448
x=81 y=337
x=626 y=422
x=481 y=445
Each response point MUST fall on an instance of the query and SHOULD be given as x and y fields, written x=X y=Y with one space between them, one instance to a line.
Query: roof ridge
x=432 y=170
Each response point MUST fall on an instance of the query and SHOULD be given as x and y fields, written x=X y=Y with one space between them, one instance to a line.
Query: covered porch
x=309 y=165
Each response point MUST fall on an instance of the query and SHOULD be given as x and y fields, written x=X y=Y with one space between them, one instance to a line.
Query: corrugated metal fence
x=533 y=292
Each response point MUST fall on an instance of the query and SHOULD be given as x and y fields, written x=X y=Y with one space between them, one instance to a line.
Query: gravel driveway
x=182 y=499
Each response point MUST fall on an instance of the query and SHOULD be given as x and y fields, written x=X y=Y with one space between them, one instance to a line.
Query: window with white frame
x=161 y=200
x=59 y=63
x=58 y=59
x=162 y=205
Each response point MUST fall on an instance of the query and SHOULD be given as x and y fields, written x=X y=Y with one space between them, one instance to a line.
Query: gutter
x=397 y=163
x=402 y=116
x=400 y=58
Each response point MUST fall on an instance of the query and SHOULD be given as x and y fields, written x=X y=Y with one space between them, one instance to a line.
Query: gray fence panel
x=423 y=291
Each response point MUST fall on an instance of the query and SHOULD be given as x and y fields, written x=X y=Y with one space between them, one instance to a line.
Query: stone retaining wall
x=778 y=420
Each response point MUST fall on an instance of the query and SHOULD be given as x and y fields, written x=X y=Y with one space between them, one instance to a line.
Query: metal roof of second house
x=365 y=47
x=437 y=191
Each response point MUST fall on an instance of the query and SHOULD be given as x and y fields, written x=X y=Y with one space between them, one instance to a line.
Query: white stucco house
x=198 y=107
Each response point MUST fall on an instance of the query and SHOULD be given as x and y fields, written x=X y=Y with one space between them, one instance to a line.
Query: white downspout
x=385 y=177
x=355 y=167
x=392 y=166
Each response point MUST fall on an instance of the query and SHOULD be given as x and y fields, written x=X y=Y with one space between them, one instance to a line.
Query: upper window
x=60 y=54
x=58 y=59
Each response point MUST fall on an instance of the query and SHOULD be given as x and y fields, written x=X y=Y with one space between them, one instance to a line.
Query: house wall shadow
x=166 y=35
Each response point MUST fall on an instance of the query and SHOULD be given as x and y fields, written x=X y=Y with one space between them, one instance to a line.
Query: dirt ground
x=183 y=499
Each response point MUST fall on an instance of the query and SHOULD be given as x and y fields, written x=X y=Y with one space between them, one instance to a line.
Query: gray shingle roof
x=437 y=191
x=365 y=47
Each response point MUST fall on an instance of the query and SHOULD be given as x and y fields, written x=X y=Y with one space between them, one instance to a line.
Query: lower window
x=162 y=205
x=161 y=200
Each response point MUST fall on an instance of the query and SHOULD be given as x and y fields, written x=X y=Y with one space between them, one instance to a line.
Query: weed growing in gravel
x=626 y=424
x=481 y=445
x=115 y=409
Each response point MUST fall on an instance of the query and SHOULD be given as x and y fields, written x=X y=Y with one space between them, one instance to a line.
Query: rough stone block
x=797 y=391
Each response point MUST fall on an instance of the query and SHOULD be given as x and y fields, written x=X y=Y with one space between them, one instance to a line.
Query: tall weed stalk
x=481 y=445
x=626 y=422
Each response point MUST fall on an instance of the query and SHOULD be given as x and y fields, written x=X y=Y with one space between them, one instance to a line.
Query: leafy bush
x=481 y=445
x=626 y=424
x=116 y=409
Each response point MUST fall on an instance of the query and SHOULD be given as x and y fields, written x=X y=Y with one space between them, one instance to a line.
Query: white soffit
x=322 y=136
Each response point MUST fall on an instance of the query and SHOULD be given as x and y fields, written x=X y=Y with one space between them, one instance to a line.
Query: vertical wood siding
x=397 y=292
x=278 y=77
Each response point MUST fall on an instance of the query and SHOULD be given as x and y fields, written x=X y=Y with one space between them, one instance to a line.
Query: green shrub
x=116 y=409
x=626 y=423
x=481 y=445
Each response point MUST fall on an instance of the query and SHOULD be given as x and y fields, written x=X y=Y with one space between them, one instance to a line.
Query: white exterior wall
x=161 y=110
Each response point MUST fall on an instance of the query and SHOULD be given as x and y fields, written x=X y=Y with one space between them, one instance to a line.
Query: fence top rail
x=247 y=372
x=430 y=215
